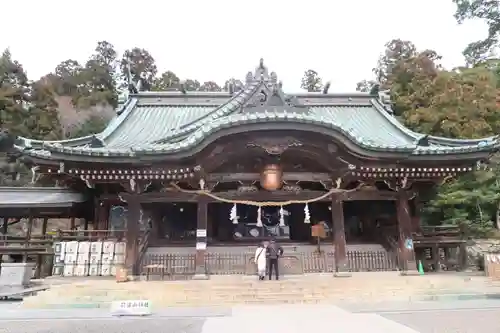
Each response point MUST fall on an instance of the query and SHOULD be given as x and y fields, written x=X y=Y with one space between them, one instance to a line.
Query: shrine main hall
x=205 y=170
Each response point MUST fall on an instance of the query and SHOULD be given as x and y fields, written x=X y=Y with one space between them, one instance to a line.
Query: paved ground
x=452 y=316
x=469 y=316
x=462 y=321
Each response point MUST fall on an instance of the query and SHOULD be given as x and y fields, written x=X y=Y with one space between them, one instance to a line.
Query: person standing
x=274 y=251
x=261 y=261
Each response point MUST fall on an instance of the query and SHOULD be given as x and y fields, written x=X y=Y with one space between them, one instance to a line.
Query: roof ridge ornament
x=261 y=73
x=384 y=97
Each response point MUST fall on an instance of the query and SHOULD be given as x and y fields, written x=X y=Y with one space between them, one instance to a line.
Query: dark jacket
x=274 y=250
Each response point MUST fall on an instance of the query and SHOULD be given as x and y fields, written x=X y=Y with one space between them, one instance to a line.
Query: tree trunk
x=497 y=220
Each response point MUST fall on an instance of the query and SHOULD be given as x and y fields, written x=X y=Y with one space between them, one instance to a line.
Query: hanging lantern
x=307 y=215
x=259 y=217
x=233 y=216
x=271 y=177
x=282 y=217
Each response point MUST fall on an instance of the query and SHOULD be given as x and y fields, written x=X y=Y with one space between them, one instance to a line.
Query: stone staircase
x=232 y=290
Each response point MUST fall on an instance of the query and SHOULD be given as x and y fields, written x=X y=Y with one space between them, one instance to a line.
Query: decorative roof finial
x=274 y=78
x=326 y=88
x=182 y=88
x=249 y=77
x=261 y=72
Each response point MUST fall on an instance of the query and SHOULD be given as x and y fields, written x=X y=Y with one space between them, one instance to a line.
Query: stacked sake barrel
x=88 y=258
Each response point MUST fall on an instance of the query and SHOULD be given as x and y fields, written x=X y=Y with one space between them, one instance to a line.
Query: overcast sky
x=219 y=39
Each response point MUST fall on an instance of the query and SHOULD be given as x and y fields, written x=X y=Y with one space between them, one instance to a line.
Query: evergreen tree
x=311 y=81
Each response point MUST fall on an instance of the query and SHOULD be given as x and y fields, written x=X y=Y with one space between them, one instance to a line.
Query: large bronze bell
x=271 y=177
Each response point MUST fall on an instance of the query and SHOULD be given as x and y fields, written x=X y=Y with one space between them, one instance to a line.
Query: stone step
x=239 y=290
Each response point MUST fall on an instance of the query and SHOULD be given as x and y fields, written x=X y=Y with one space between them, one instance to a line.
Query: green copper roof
x=174 y=122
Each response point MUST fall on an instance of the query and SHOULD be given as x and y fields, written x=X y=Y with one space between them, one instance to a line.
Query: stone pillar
x=201 y=238
x=132 y=234
x=406 y=251
x=341 y=264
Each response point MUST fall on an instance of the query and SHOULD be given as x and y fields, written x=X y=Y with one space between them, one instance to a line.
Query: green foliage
x=368 y=86
x=42 y=121
x=95 y=124
x=487 y=11
x=14 y=95
x=140 y=65
x=89 y=85
x=459 y=103
x=470 y=202
x=237 y=84
x=166 y=81
x=311 y=81
x=210 y=86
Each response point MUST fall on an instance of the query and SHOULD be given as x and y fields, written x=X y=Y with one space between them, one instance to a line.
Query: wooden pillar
x=407 y=253
x=28 y=235
x=341 y=263
x=103 y=219
x=156 y=219
x=39 y=260
x=44 y=226
x=5 y=221
x=201 y=238
x=132 y=234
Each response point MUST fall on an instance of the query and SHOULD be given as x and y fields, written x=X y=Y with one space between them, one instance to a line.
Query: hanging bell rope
x=259 y=217
x=264 y=203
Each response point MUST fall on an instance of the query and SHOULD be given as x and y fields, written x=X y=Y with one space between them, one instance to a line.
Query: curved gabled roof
x=173 y=122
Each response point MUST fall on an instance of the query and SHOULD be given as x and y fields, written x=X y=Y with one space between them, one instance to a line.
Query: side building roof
x=175 y=124
x=39 y=197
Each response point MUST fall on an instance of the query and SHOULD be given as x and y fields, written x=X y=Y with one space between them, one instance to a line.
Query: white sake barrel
x=82 y=259
x=81 y=270
x=84 y=247
x=94 y=270
x=71 y=247
x=108 y=247
x=96 y=247
x=105 y=270
x=68 y=270
x=58 y=247
x=58 y=269
x=120 y=247
x=107 y=258
x=63 y=250
x=58 y=259
x=70 y=259
x=95 y=258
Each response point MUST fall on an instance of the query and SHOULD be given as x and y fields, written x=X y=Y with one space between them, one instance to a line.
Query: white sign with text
x=131 y=308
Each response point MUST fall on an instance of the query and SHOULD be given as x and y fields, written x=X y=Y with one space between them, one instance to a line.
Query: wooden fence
x=182 y=266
